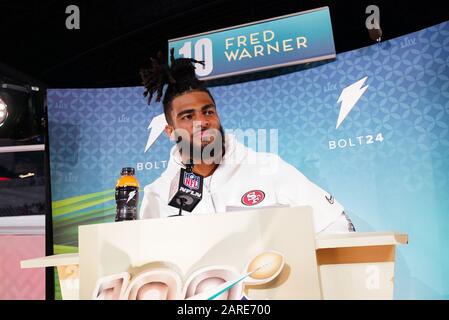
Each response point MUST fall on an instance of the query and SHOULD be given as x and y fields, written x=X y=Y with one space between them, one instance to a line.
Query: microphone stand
x=183 y=201
x=189 y=168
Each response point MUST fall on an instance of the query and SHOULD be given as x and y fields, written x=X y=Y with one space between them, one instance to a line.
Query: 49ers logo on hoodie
x=253 y=197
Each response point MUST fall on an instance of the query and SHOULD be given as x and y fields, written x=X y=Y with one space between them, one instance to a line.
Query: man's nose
x=203 y=121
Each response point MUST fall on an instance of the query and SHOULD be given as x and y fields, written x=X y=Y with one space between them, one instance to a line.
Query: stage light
x=21 y=115
x=3 y=112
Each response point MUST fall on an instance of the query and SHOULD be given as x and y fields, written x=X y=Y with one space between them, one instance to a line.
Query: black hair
x=179 y=77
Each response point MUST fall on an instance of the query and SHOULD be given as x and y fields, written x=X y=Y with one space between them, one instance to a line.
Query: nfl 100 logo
x=191 y=180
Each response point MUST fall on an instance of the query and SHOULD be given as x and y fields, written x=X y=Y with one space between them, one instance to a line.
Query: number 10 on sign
x=202 y=52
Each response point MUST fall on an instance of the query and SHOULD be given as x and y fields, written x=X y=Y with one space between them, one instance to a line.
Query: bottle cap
x=128 y=171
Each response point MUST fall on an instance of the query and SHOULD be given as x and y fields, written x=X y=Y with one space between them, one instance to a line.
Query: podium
x=259 y=254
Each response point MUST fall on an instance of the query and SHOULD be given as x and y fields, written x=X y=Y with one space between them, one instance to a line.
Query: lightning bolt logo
x=131 y=195
x=349 y=97
x=156 y=127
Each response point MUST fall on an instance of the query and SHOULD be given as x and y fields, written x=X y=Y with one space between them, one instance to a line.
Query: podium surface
x=325 y=266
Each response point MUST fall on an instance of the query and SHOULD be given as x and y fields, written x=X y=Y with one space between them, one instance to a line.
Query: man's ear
x=169 y=131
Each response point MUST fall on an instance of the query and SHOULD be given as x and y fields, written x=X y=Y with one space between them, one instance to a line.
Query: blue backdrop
x=387 y=163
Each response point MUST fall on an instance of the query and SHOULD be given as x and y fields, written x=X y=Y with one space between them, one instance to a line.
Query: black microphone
x=186 y=190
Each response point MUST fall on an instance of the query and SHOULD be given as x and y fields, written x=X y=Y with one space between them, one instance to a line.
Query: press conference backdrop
x=387 y=162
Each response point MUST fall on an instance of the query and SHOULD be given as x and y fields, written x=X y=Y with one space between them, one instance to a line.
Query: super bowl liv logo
x=348 y=99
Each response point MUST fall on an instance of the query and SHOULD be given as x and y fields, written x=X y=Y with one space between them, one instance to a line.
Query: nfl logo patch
x=191 y=180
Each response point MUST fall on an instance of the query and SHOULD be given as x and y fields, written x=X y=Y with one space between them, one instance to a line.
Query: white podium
x=275 y=252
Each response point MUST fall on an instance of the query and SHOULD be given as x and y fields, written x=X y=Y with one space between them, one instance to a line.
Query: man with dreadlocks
x=234 y=175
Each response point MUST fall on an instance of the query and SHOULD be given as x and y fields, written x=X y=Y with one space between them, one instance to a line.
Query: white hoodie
x=247 y=179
